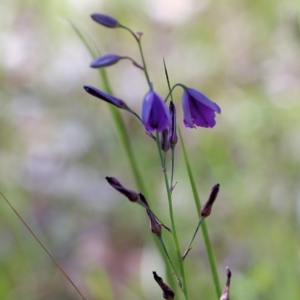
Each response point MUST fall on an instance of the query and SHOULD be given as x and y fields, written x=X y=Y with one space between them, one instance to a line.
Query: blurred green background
x=58 y=144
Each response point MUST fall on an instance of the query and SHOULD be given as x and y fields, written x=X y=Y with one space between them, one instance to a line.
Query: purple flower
x=104 y=96
x=105 y=20
x=198 y=109
x=105 y=61
x=155 y=114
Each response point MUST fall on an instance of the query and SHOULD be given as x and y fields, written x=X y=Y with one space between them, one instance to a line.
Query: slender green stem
x=172 y=147
x=144 y=63
x=138 y=39
x=133 y=62
x=181 y=267
x=134 y=113
x=172 y=167
x=42 y=245
x=207 y=242
x=188 y=248
x=169 y=259
x=164 y=161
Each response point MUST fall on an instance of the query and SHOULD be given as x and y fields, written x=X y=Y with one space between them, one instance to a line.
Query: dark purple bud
x=198 y=110
x=165 y=144
x=173 y=128
x=206 y=208
x=104 y=96
x=105 y=61
x=105 y=20
x=155 y=114
x=131 y=195
x=143 y=200
x=168 y=293
x=154 y=225
x=225 y=293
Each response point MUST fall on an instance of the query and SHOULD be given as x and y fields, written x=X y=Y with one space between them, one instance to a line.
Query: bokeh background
x=58 y=144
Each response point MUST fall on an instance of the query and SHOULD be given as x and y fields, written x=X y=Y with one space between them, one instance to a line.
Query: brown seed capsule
x=206 y=208
x=154 y=225
x=225 y=293
x=168 y=293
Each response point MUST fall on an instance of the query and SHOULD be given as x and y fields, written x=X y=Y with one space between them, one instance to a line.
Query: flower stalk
x=174 y=234
x=208 y=246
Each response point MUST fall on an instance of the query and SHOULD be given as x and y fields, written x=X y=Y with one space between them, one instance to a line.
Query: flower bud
x=206 y=208
x=168 y=293
x=104 y=96
x=143 y=200
x=155 y=114
x=105 y=20
x=173 y=127
x=154 y=225
x=105 y=61
x=131 y=195
x=165 y=144
x=225 y=293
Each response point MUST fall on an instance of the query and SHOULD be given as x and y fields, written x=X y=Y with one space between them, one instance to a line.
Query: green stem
x=164 y=162
x=174 y=233
x=188 y=248
x=138 y=39
x=207 y=242
x=172 y=167
x=144 y=64
x=169 y=259
x=42 y=245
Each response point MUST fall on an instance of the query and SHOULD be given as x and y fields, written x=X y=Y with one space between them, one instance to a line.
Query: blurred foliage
x=58 y=144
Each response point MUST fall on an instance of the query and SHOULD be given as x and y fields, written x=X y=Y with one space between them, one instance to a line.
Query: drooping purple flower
x=104 y=96
x=155 y=114
x=105 y=61
x=105 y=20
x=198 y=109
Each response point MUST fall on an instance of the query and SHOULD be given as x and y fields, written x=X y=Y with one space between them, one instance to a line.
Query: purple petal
x=104 y=61
x=146 y=108
x=105 y=20
x=204 y=100
x=155 y=114
x=187 y=120
x=198 y=109
x=202 y=115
